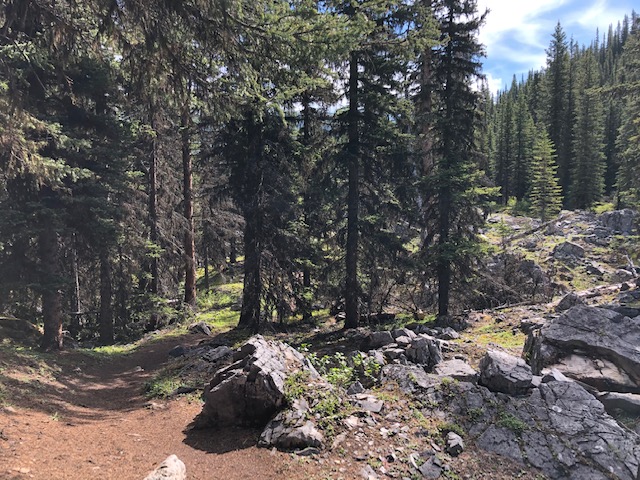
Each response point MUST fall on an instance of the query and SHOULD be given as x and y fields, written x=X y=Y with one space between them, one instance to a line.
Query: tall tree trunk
x=123 y=311
x=74 y=327
x=51 y=296
x=352 y=288
x=105 y=319
x=443 y=267
x=306 y=271
x=233 y=251
x=205 y=251
x=153 y=285
x=187 y=189
x=252 y=289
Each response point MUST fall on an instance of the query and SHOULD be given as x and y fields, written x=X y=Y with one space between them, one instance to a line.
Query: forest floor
x=79 y=415
x=83 y=414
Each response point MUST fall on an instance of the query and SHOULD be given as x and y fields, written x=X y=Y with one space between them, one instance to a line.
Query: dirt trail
x=92 y=421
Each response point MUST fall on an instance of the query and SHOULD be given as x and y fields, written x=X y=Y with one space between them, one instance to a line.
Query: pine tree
x=587 y=174
x=628 y=142
x=546 y=193
x=557 y=105
x=455 y=65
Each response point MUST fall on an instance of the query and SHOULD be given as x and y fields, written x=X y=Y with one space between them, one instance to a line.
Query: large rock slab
x=568 y=251
x=501 y=372
x=252 y=389
x=456 y=369
x=594 y=334
x=171 y=469
x=292 y=429
x=619 y=221
x=559 y=428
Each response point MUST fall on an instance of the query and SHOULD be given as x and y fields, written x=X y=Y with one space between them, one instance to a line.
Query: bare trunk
x=105 y=319
x=352 y=288
x=74 y=328
x=51 y=295
x=189 y=235
x=252 y=289
x=153 y=286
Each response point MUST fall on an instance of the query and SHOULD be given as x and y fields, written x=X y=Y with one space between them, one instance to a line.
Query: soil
x=91 y=420
x=77 y=416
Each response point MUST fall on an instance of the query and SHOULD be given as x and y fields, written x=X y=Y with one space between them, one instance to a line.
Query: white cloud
x=517 y=16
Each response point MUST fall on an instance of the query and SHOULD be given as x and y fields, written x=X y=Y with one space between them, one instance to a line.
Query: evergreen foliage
x=546 y=192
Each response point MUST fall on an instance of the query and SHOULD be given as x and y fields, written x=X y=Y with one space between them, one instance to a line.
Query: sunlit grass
x=500 y=335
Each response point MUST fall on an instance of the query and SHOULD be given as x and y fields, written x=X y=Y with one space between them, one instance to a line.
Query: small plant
x=451 y=427
x=55 y=416
x=295 y=386
x=475 y=413
x=513 y=423
x=161 y=386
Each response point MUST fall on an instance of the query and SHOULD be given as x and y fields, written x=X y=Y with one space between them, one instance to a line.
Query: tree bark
x=74 y=327
x=352 y=288
x=154 y=283
x=189 y=235
x=51 y=296
x=252 y=289
x=105 y=319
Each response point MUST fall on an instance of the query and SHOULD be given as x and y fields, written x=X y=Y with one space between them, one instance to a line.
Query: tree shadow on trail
x=85 y=387
x=221 y=440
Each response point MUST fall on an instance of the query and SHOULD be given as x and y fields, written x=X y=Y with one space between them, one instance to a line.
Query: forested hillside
x=586 y=100
x=338 y=154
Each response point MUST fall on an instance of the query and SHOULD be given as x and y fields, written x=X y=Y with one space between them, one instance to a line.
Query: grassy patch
x=162 y=386
x=224 y=317
x=513 y=423
x=499 y=335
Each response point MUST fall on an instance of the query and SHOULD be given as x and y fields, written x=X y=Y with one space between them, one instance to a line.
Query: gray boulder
x=569 y=300
x=584 y=336
x=455 y=444
x=379 y=339
x=456 y=369
x=619 y=221
x=560 y=429
x=252 y=389
x=425 y=350
x=292 y=429
x=568 y=251
x=501 y=372
x=200 y=327
x=627 y=403
x=171 y=469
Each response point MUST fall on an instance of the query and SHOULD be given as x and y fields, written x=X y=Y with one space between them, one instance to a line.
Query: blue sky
x=517 y=32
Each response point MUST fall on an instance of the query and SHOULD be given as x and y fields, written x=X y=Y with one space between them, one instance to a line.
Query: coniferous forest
x=338 y=154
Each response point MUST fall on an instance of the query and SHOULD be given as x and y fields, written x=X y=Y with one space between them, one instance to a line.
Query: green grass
x=162 y=386
x=222 y=318
x=496 y=334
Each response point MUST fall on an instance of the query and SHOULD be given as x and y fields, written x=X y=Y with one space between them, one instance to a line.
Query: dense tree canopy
x=335 y=153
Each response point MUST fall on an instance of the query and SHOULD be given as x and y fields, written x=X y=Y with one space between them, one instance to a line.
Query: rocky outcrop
x=619 y=221
x=569 y=300
x=456 y=369
x=594 y=345
x=501 y=372
x=568 y=251
x=252 y=389
x=405 y=345
x=171 y=469
x=559 y=428
x=292 y=429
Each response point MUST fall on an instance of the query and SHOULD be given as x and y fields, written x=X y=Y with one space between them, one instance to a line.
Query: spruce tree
x=455 y=66
x=628 y=142
x=557 y=102
x=587 y=173
x=546 y=194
